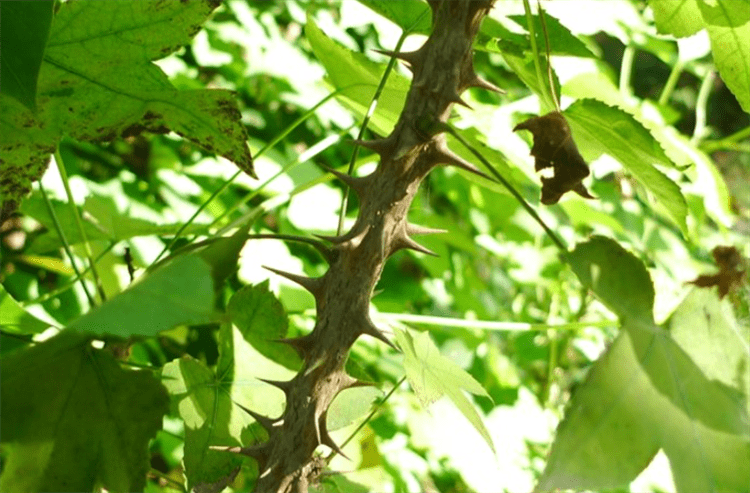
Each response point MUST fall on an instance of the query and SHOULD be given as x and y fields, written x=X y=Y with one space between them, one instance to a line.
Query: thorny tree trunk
x=442 y=70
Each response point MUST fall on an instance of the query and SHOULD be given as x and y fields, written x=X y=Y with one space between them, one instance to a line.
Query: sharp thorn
x=451 y=159
x=379 y=146
x=406 y=242
x=373 y=331
x=283 y=386
x=325 y=438
x=302 y=345
x=415 y=229
x=458 y=100
x=257 y=452
x=312 y=284
x=350 y=382
x=484 y=84
x=355 y=183
x=410 y=57
x=266 y=422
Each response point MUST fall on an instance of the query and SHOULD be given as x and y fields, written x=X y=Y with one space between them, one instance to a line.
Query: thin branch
x=555 y=239
x=370 y=111
x=79 y=224
x=66 y=246
x=552 y=90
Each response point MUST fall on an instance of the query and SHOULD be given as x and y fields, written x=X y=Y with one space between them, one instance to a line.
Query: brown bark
x=442 y=69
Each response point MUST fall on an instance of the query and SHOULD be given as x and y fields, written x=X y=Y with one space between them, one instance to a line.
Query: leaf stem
x=368 y=418
x=79 y=224
x=307 y=155
x=555 y=239
x=365 y=123
x=545 y=95
x=729 y=142
x=701 y=104
x=487 y=325
x=552 y=90
x=671 y=83
x=79 y=276
x=226 y=184
x=66 y=245
x=368 y=115
x=626 y=69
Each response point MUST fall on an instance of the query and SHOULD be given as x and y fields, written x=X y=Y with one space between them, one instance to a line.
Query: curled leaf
x=731 y=271
x=555 y=148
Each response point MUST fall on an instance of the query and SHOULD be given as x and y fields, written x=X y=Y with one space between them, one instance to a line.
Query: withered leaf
x=555 y=148
x=731 y=270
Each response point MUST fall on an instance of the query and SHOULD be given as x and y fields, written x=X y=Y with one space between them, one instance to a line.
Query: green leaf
x=404 y=13
x=102 y=221
x=562 y=41
x=526 y=71
x=604 y=441
x=728 y=23
x=210 y=417
x=705 y=328
x=73 y=419
x=618 y=420
x=599 y=128
x=350 y=405
x=512 y=174
x=14 y=319
x=616 y=276
x=209 y=403
x=98 y=82
x=24 y=28
x=646 y=393
x=181 y=292
x=432 y=375
x=680 y=18
x=261 y=320
x=358 y=78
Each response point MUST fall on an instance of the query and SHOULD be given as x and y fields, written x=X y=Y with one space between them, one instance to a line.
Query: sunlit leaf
x=261 y=320
x=211 y=403
x=728 y=24
x=358 y=78
x=98 y=82
x=14 y=319
x=647 y=393
x=617 y=277
x=605 y=129
x=181 y=292
x=432 y=375
x=410 y=15
x=677 y=17
x=350 y=405
x=210 y=419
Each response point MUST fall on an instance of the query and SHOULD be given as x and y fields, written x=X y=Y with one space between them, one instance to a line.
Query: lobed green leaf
x=23 y=36
x=73 y=419
x=432 y=375
x=600 y=128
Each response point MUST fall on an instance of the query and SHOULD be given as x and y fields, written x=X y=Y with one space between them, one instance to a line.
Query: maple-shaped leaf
x=432 y=375
x=555 y=148
x=682 y=389
x=731 y=270
x=74 y=420
x=97 y=82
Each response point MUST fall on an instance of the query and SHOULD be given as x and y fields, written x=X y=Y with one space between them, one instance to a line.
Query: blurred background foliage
x=537 y=330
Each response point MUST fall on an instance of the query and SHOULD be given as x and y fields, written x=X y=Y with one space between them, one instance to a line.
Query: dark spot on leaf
x=60 y=93
x=555 y=148
x=731 y=271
